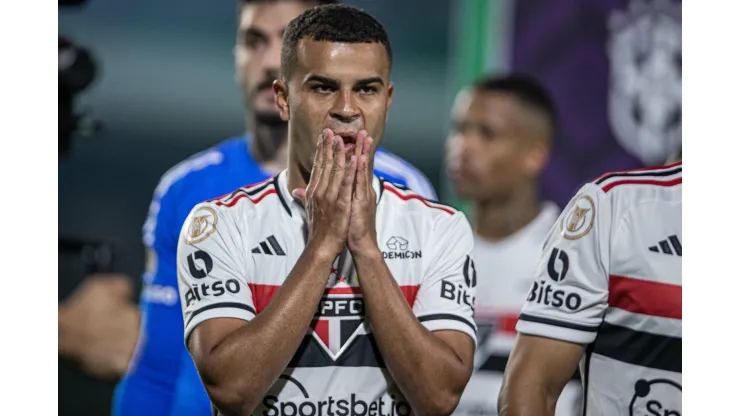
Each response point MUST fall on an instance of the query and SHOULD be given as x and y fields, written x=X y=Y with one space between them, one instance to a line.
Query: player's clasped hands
x=339 y=198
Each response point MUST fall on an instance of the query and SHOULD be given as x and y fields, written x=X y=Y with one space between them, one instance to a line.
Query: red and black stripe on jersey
x=407 y=194
x=662 y=300
x=670 y=175
x=254 y=193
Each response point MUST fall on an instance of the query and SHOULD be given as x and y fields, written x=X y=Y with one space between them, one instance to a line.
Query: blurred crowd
x=584 y=90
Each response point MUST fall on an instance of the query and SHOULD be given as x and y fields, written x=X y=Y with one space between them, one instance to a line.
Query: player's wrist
x=321 y=253
x=368 y=252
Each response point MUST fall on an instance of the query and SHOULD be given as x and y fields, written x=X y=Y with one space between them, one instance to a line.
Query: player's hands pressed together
x=362 y=237
x=328 y=196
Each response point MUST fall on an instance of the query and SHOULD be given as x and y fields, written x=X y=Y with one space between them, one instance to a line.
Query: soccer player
x=327 y=290
x=161 y=378
x=607 y=294
x=502 y=131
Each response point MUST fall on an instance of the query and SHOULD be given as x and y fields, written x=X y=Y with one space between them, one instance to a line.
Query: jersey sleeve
x=447 y=293
x=569 y=295
x=212 y=268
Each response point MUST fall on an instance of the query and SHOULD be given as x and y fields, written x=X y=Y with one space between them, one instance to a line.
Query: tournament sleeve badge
x=580 y=219
x=202 y=225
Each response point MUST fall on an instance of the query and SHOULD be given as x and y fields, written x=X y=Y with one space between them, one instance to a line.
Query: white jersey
x=236 y=251
x=610 y=278
x=505 y=270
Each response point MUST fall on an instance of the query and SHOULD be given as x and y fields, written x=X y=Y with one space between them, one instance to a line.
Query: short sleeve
x=569 y=294
x=212 y=274
x=447 y=293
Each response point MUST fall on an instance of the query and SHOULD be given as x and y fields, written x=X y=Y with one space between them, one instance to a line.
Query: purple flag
x=614 y=70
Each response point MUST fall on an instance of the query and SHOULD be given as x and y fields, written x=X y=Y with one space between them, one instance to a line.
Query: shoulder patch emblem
x=202 y=225
x=580 y=219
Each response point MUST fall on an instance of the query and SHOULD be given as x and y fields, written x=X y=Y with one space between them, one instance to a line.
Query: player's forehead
x=485 y=106
x=344 y=62
x=269 y=18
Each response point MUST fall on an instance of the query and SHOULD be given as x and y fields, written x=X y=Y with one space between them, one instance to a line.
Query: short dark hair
x=331 y=23
x=315 y=2
x=525 y=88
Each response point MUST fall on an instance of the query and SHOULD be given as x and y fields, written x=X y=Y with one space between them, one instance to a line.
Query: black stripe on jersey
x=448 y=316
x=250 y=192
x=639 y=348
x=639 y=174
x=280 y=195
x=586 y=375
x=220 y=305
x=554 y=322
x=363 y=352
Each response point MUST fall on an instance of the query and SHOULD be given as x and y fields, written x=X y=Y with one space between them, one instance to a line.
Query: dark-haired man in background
x=161 y=379
x=352 y=313
x=502 y=132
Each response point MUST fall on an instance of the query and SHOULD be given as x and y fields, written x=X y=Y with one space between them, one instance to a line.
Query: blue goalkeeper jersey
x=161 y=379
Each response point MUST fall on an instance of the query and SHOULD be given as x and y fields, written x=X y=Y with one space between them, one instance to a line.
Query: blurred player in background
x=502 y=132
x=162 y=379
x=607 y=295
x=328 y=290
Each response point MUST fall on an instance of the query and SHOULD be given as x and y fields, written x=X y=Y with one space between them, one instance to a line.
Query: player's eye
x=368 y=90
x=487 y=133
x=252 y=41
x=322 y=89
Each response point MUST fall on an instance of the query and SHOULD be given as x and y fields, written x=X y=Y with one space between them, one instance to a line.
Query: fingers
x=328 y=161
x=318 y=159
x=362 y=191
x=345 y=193
x=338 y=170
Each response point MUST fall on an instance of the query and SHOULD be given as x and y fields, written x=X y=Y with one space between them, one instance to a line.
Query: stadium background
x=165 y=90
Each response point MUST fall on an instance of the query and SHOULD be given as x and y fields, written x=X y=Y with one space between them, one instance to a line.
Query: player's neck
x=498 y=218
x=269 y=145
x=296 y=176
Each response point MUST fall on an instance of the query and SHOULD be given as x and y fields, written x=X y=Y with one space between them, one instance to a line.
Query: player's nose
x=344 y=108
x=271 y=60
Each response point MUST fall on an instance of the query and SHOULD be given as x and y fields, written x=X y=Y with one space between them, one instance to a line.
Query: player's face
x=258 y=47
x=489 y=152
x=340 y=86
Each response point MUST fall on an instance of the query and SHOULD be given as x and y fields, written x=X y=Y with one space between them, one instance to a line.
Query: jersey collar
x=295 y=209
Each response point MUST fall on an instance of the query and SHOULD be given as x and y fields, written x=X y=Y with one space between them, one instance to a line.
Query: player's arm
x=240 y=356
x=564 y=308
x=149 y=384
x=539 y=368
x=428 y=350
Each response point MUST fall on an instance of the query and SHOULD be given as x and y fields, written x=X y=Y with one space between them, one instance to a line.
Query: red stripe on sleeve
x=645 y=297
x=424 y=201
x=611 y=185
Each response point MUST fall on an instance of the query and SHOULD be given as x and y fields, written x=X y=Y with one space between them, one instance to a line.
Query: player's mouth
x=349 y=138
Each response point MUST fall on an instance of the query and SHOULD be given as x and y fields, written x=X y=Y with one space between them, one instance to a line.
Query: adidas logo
x=664 y=246
x=270 y=246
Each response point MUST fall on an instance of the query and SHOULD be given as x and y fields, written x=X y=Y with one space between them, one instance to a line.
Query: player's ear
x=390 y=100
x=280 y=92
x=536 y=158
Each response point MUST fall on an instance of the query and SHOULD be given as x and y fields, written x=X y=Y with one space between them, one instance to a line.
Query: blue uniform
x=162 y=379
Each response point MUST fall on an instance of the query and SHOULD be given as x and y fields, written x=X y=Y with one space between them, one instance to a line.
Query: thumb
x=299 y=194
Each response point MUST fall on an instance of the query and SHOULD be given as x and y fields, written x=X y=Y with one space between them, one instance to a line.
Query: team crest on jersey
x=580 y=219
x=202 y=224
